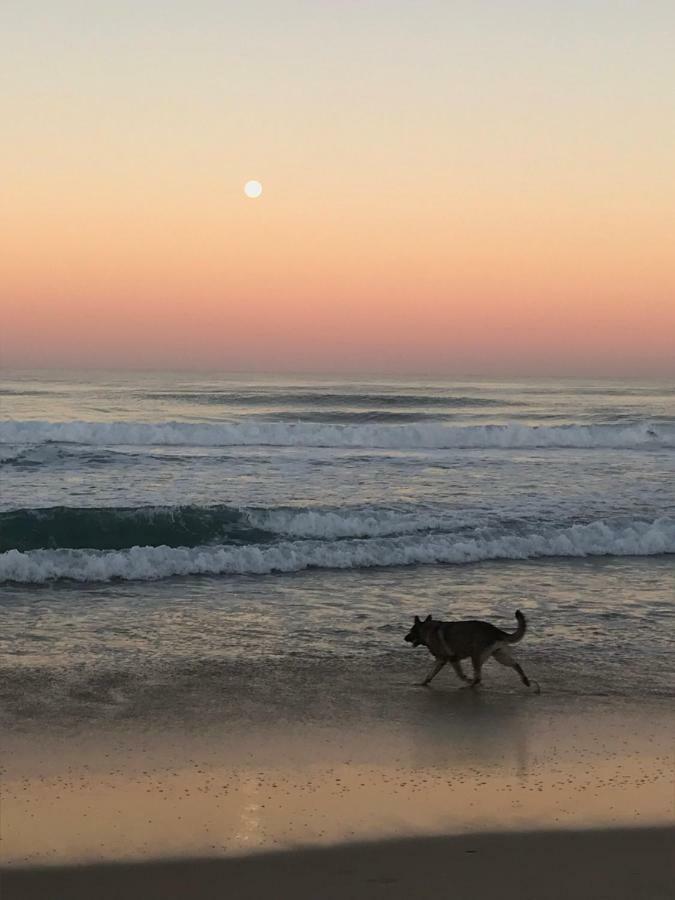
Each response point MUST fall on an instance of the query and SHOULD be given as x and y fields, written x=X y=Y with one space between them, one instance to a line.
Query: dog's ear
x=428 y=618
x=417 y=620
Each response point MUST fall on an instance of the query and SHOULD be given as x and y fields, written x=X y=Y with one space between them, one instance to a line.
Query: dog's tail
x=519 y=633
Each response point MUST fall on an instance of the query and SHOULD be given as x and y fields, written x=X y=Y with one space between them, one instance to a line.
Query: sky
x=449 y=187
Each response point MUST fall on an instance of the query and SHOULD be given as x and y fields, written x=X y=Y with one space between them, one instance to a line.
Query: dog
x=451 y=642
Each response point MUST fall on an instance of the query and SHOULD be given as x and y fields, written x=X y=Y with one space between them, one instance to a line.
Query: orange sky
x=447 y=187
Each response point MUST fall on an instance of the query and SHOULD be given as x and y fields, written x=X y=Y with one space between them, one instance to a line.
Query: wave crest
x=150 y=563
x=117 y=528
x=425 y=435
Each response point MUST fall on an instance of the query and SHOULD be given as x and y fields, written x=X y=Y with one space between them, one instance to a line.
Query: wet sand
x=598 y=865
x=338 y=786
x=443 y=761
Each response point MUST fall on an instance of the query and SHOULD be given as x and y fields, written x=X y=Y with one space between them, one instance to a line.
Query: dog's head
x=417 y=634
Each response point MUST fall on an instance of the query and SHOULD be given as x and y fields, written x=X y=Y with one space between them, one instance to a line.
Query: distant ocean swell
x=324 y=399
x=639 y=538
x=425 y=435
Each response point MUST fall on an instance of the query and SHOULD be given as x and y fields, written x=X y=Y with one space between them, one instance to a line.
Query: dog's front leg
x=433 y=672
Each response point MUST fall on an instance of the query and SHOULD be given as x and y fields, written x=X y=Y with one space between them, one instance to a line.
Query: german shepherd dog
x=451 y=642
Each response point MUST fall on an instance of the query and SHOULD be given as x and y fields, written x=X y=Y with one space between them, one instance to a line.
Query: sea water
x=168 y=526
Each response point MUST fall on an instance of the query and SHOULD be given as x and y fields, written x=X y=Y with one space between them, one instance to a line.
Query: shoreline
x=621 y=864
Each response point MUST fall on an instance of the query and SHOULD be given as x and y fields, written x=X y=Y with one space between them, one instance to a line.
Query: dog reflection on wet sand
x=451 y=642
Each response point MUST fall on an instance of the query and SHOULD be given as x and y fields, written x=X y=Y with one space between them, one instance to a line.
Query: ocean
x=165 y=534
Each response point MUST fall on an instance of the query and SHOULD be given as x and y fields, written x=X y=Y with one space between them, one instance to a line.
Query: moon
x=253 y=189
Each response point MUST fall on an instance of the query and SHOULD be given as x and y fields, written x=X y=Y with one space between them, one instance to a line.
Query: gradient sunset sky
x=449 y=187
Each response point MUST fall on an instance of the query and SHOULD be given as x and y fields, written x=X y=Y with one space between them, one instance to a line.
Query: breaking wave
x=409 y=436
x=50 y=454
x=117 y=528
x=149 y=563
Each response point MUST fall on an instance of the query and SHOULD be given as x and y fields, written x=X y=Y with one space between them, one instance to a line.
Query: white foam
x=311 y=434
x=147 y=563
x=324 y=524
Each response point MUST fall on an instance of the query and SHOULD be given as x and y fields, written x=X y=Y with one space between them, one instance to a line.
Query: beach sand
x=344 y=790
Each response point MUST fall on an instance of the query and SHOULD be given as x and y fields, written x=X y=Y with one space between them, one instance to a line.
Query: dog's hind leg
x=433 y=672
x=504 y=657
x=477 y=664
x=478 y=660
x=459 y=671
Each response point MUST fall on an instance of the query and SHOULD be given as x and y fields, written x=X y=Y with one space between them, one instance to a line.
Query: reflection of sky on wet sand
x=481 y=766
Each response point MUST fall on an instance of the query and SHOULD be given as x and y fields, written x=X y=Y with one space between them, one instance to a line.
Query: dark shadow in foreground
x=610 y=864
